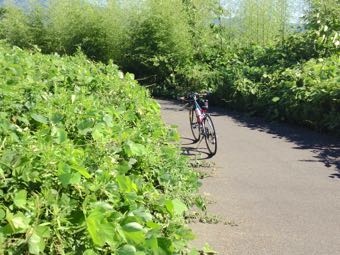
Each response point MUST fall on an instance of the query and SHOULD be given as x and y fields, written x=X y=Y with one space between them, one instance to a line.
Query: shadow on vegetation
x=326 y=148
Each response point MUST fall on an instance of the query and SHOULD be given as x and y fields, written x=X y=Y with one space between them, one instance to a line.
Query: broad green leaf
x=153 y=225
x=82 y=170
x=7 y=230
x=108 y=120
x=39 y=118
x=2 y=214
x=56 y=118
x=275 y=99
x=86 y=124
x=166 y=245
x=123 y=167
x=93 y=222
x=24 y=119
x=100 y=230
x=152 y=244
x=97 y=134
x=36 y=244
x=70 y=178
x=134 y=232
x=170 y=207
x=103 y=205
x=20 y=198
x=61 y=136
x=179 y=207
x=19 y=221
x=143 y=214
x=134 y=149
x=43 y=230
x=132 y=161
x=126 y=184
x=89 y=252
x=133 y=227
x=127 y=250
x=175 y=207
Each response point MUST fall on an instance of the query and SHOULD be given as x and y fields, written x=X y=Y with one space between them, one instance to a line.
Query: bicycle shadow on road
x=187 y=141
x=326 y=148
x=189 y=148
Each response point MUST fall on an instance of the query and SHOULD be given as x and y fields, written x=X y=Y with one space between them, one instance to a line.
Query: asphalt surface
x=278 y=185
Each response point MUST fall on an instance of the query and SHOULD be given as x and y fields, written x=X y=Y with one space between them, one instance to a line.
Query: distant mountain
x=22 y=3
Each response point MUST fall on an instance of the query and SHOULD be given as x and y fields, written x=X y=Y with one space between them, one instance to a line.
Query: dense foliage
x=182 y=45
x=295 y=80
x=86 y=164
x=307 y=94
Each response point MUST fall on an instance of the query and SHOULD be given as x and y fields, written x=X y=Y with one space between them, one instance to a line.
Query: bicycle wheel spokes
x=210 y=135
x=195 y=126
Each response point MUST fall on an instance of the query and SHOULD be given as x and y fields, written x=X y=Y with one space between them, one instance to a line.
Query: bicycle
x=201 y=124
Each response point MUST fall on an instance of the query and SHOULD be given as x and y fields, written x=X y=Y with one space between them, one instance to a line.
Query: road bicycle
x=201 y=124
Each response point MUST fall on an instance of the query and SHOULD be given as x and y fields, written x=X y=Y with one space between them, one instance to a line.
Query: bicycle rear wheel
x=195 y=126
x=210 y=135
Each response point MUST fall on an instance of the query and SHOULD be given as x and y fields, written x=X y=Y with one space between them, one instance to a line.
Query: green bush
x=86 y=164
x=178 y=46
x=14 y=27
x=151 y=39
x=63 y=26
x=159 y=42
x=296 y=80
x=307 y=94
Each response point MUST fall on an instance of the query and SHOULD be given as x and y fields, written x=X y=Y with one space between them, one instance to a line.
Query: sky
x=297 y=8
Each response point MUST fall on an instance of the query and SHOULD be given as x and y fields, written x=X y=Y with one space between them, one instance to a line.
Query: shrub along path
x=278 y=185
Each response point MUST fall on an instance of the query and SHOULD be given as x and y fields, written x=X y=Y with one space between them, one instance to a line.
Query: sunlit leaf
x=134 y=232
x=36 y=243
x=126 y=184
x=127 y=250
x=275 y=99
x=20 y=198
x=175 y=207
x=134 y=149
x=39 y=118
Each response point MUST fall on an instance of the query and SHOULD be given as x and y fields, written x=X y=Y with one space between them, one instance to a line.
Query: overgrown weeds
x=86 y=164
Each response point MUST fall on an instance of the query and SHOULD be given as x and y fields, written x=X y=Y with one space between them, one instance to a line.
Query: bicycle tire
x=210 y=135
x=194 y=126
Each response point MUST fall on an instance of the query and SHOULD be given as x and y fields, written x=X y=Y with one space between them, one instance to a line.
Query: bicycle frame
x=199 y=112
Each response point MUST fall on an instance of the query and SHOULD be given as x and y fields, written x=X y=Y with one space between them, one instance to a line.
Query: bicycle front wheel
x=195 y=126
x=210 y=135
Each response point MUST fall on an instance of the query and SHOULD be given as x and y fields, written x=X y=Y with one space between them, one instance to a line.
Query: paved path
x=279 y=184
